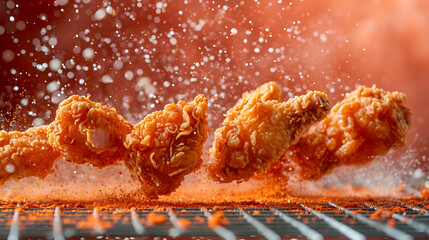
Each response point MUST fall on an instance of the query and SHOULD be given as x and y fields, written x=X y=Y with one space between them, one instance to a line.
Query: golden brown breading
x=167 y=145
x=259 y=129
x=25 y=154
x=367 y=123
x=265 y=92
x=88 y=132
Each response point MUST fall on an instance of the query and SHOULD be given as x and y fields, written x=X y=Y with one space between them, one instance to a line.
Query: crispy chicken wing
x=259 y=129
x=167 y=145
x=25 y=154
x=367 y=123
x=88 y=132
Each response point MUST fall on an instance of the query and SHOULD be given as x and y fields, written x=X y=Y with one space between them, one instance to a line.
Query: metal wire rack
x=313 y=220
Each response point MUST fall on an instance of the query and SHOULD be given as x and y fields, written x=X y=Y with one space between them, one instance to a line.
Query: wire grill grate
x=312 y=220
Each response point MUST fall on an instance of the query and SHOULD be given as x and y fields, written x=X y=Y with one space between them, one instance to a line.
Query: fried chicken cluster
x=159 y=151
x=303 y=132
x=167 y=145
x=25 y=154
x=259 y=129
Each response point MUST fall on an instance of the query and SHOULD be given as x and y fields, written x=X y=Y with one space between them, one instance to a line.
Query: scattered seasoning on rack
x=218 y=219
x=391 y=222
x=156 y=219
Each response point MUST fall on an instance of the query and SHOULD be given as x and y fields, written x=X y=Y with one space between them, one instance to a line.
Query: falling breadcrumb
x=184 y=223
x=218 y=219
x=155 y=219
x=425 y=193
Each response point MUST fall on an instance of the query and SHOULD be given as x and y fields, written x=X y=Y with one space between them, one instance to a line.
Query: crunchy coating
x=87 y=132
x=367 y=123
x=25 y=154
x=265 y=92
x=167 y=145
x=259 y=129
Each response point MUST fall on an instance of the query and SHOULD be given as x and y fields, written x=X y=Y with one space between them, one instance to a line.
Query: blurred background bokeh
x=138 y=55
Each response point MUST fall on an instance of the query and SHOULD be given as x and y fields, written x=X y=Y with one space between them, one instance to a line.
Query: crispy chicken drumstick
x=25 y=154
x=167 y=145
x=87 y=132
x=259 y=129
x=367 y=123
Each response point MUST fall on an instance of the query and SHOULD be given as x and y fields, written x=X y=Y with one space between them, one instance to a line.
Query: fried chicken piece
x=367 y=123
x=167 y=145
x=25 y=154
x=87 y=132
x=259 y=129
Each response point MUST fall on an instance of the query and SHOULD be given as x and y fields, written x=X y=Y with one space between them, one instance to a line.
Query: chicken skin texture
x=167 y=145
x=25 y=154
x=265 y=92
x=87 y=132
x=259 y=129
x=367 y=123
